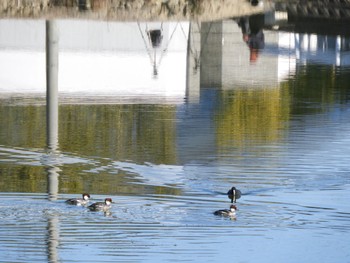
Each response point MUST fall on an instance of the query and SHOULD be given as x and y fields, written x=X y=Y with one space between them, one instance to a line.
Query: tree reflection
x=252 y=116
x=141 y=133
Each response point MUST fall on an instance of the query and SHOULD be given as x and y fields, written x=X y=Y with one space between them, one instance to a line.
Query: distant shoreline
x=129 y=10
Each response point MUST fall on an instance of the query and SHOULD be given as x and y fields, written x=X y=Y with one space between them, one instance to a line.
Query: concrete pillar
x=52 y=84
x=193 y=63
x=211 y=54
x=52 y=106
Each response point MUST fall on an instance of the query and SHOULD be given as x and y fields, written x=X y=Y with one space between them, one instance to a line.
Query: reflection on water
x=97 y=56
x=253 y=117
x=277 y=129
x=122 y=10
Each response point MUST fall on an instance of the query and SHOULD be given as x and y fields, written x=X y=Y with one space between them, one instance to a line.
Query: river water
x=277 y=128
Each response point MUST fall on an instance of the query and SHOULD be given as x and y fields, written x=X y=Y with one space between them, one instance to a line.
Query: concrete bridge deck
x=146 y=10
x=130 y=10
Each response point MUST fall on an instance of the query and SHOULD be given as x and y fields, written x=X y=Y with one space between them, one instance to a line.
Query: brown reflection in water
x=252 y=116
x=322 y=84
x=20 y=178
x=142 y=133
x=96 y=135
x=138 y=132
x=23 y=126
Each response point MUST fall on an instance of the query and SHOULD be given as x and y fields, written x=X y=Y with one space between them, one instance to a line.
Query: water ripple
x=161 y=224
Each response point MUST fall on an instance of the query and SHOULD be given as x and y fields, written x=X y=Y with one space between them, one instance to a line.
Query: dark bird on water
x=234 y=194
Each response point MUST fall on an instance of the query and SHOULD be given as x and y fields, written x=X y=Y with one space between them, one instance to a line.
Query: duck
x=101 y=206
x=234 y=194
x=227 y=212
x=79 y=201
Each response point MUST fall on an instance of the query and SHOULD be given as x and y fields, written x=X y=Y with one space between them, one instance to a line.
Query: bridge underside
x=316 y=9
x=316 y=16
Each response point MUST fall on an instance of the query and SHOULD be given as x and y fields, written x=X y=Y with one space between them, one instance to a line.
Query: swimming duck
x=79 y=201
x=234 y=194
x=101 y=206
x=227 y=212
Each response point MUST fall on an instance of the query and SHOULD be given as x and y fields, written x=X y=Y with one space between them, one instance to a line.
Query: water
x=167 y=159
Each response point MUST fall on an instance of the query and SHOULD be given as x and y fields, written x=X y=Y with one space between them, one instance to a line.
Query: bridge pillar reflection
x=52 y=40
x=193 y=63
x=52 y=82
x=52 y=158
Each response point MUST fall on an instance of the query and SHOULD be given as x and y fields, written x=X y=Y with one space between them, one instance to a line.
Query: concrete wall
x=226 y=61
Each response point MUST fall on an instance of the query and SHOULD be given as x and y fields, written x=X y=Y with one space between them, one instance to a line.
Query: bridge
x=136 y=10
x=315 y=9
